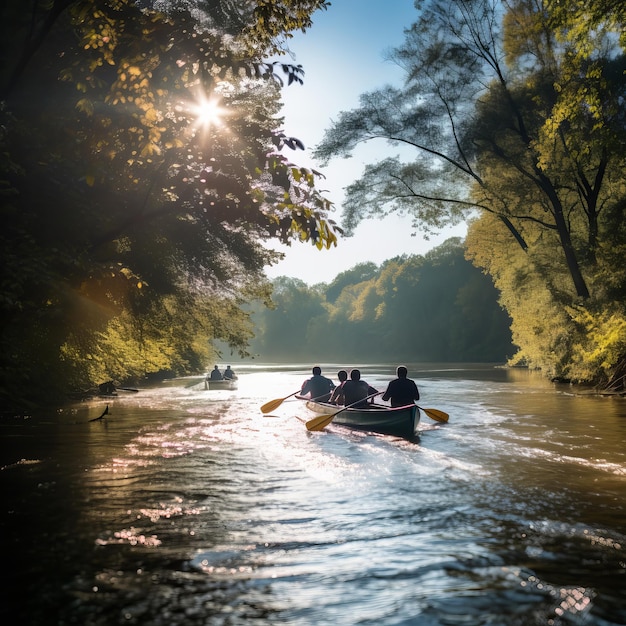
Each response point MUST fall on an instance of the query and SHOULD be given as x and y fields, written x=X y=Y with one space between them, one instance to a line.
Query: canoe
x=398 y=421
x=225 y=383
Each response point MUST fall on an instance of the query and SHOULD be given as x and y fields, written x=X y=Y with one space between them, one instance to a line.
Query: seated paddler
x=317 y=387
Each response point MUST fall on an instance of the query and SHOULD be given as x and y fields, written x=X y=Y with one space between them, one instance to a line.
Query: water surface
x=186 y=507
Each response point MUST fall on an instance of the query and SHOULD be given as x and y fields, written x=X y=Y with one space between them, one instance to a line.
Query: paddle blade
x=268 y=407
x=320 y=422
x=435 y=414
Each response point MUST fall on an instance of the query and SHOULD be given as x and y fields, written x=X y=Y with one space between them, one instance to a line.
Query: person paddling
x=337 y=396
x=402 y=390
x=318 y=387
x=356 y=391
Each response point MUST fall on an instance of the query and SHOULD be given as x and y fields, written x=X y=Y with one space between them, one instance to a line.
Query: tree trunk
x=565 y=238
x=516 y=234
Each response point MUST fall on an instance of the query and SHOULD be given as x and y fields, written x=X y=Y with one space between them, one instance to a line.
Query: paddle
x=435 y=414
x=268 y=407
x=320 y=422
x=298 y=397
x=128 y=389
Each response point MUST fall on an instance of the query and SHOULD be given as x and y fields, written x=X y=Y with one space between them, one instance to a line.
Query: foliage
x=134 y=227
x=286 y=326
x=432 y=308
x=580 y=21
x=359 y=273
x=508 y=118
x=603 y=344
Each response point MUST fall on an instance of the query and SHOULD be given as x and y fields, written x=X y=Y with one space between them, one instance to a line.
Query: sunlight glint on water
x=188 y=506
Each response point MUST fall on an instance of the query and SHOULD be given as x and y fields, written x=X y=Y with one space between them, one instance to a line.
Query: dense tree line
x=432 y=308
x=513 y=114
x=143 y=173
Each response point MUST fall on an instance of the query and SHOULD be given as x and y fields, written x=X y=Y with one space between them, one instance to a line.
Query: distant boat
x=397 y=421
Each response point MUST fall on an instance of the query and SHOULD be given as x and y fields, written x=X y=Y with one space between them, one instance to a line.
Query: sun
x=209 y=113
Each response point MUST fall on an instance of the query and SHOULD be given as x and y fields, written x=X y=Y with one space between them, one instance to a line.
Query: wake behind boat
x=397 y=421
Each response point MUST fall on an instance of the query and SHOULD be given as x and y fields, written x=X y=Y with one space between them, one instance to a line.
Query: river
x=184 y=506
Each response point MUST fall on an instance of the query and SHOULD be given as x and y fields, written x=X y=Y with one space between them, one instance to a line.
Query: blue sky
x=343 y=55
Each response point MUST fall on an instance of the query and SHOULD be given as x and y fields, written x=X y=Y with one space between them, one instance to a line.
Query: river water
x=190 y=507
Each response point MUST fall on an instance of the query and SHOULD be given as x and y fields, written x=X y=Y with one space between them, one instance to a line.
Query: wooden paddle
x=268 y=407
x=320 y=422
x=435 y=414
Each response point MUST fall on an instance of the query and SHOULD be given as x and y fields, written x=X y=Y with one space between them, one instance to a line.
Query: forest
x=512 y=118
x=435 y=308
x=145 y=168
x=146 y=172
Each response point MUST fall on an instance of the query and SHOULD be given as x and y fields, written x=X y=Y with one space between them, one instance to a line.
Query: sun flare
x=209 y=113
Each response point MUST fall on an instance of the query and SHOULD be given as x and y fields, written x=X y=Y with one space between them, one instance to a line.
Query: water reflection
x=187 y=506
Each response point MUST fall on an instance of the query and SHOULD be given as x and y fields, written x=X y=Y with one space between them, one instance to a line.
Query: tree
x=123 y=200
x=419 y=309
x=482 y=80
x=516 y=115
x=283 y=332
x=357 y=274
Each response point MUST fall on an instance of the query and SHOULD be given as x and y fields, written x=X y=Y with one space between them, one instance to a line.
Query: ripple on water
x=185 y=507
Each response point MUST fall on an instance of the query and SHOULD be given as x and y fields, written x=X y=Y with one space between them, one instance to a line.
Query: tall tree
x=483 y=78
x=143 y=193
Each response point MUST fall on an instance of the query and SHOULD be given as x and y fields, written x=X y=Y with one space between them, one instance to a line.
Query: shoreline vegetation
x=616 y=390
x=139 y=245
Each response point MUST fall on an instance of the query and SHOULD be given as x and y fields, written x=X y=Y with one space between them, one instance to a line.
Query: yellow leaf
x=85 y=105
x=149 y=149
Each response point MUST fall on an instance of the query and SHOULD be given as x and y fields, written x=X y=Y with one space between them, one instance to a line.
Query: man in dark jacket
x=356 y=392
x=319 y=387
x=402 y=390
x=215 y=374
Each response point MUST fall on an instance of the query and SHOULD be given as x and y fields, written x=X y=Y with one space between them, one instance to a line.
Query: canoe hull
x=399 y=421
x=229 y=385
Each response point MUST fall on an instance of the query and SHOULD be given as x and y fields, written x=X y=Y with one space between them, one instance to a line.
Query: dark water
x=188 y=507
